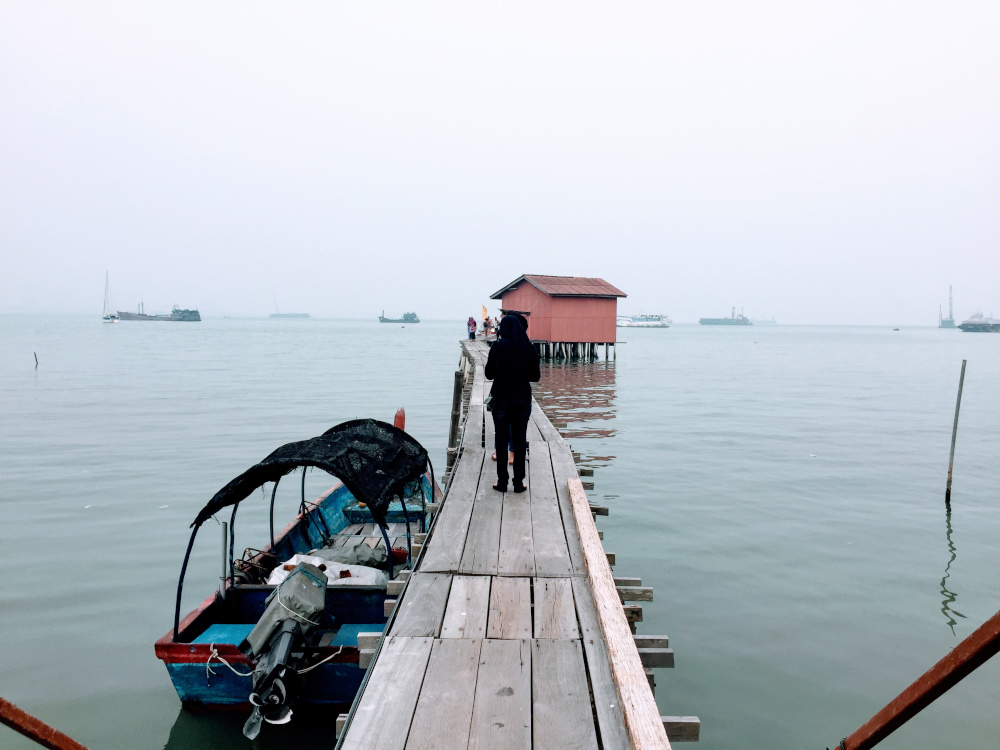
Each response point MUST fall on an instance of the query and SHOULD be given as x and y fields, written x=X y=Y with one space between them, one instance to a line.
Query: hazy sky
x=819 y=162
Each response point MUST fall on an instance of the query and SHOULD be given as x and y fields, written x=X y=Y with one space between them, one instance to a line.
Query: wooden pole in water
x=36 y=359
x=954 y=434
x=960 y=662
x=35 y=729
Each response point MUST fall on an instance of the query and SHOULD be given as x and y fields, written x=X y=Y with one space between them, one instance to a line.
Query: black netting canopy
x=374 y=460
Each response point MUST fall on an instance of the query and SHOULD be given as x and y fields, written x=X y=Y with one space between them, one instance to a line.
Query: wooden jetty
x=511 y=631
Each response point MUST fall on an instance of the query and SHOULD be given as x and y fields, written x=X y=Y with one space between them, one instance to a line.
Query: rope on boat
x=293 y=613
x=324 y=661
x=215 y=655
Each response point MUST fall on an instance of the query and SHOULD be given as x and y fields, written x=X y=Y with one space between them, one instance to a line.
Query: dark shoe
x=498 y=488
x=519 y=487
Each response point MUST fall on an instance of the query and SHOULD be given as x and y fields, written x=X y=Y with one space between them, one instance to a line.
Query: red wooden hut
x=569 y=315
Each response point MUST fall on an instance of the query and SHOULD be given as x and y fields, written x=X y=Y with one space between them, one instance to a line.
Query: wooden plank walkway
x=500 y=637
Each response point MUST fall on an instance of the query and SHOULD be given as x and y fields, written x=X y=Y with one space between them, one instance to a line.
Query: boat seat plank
x=560 y=708
x=516 y=554
x=444 y=710
x=482 y=546
x=468 y=606
x=420 y=612
x=510 y=608
x=555 y=613
x=382 y=718
x=501 y=714
x=547 y=534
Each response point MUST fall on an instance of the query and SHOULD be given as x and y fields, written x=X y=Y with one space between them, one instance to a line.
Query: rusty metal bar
x=960 y=662
x=35 y=729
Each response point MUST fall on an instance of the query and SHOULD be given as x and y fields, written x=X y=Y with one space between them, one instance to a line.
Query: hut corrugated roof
x=565 y=286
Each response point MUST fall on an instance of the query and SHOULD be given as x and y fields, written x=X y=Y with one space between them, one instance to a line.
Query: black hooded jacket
x=513 y=362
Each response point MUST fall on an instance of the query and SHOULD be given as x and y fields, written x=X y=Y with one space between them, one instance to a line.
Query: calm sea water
x=781 y=488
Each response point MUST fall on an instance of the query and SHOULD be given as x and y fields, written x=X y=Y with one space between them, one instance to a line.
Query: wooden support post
x=954 y=434
x=656 y=658
x=623 y=581
x=456 y=410
x=652 y=641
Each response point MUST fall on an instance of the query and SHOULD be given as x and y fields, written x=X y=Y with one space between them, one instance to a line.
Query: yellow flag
x=484 y=313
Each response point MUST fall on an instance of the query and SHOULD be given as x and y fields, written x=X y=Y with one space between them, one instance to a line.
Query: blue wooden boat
x=385 y=482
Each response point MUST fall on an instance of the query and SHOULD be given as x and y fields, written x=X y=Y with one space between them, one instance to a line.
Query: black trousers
x=510 y=423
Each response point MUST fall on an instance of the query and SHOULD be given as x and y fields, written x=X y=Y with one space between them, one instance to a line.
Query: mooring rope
x=324 y=661
x=215 y=655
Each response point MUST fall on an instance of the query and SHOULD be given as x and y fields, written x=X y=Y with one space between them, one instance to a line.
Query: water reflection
x=223 y=730
x=579 y=398
x=949 y=596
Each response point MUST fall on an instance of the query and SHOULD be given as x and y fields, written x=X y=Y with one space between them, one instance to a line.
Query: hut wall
x=578 y=319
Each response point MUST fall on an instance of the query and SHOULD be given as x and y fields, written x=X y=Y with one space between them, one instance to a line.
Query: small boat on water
x=643 y=321
x=284 y=626
x=109 y=313
x=410 y=317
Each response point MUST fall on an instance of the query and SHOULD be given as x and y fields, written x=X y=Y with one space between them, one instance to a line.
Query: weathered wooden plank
x=489 y=430
x=555 y=613
x=420 y=611
x=517 y=553
x=651 y=641
x=476 y=398
x=545 y=428
x=501 y=715
x=448 y=535
x=682 y=728
x=482 y=545
x=610 y=721
x=444 y=711
x=468 y=606
x=562 y=469
x=656 y=658
x=642 y=717
x=533 y=435
x=510 y=608
x=382 y=718
x=635 y=593
x=472 y=434
x=623 y=581
x=548 y=536
x=560 y=706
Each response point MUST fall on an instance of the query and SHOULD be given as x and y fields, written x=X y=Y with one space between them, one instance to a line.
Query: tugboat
x=733 y=320
x=409 y=317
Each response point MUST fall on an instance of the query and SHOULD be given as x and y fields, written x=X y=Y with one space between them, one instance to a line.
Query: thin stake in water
x=954 y=434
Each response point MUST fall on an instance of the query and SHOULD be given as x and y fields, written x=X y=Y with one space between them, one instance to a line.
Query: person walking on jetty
x=510 y=445
x=512 y=366
x=471 y=326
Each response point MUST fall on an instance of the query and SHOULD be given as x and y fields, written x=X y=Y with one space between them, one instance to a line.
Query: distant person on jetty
x=513 y=367
x=471 y=325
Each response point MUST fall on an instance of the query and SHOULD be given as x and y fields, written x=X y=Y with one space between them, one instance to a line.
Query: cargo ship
x=407 y=318
x=176 y=314
x=732 y=320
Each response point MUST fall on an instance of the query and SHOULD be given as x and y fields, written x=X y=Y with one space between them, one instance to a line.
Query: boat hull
x=177 y=316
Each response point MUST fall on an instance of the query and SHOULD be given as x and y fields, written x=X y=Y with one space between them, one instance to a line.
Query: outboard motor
x=292 y=612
